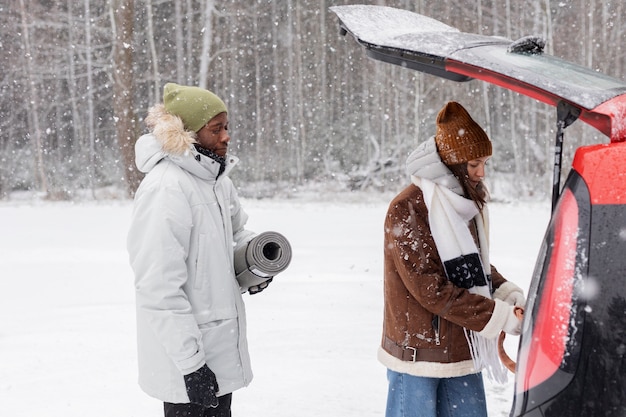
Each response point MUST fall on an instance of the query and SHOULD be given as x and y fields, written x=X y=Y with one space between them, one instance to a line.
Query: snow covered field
x=67 y=342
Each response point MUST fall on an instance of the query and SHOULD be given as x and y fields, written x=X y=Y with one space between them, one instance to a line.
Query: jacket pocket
x=201 y=262
x=222 y=348
x=437 y=329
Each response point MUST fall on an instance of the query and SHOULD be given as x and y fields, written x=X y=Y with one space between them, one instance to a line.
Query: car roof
x=418 y=42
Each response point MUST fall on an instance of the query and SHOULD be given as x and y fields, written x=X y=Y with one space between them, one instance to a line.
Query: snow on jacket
x=186 y=222
x=425 y=313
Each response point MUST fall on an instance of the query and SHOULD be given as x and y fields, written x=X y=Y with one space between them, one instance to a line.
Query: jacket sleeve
x=417 y=262
x=506 y=290
x=496 y=278
x=158 y=245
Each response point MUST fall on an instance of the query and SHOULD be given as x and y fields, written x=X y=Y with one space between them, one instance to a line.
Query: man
x=186 y=223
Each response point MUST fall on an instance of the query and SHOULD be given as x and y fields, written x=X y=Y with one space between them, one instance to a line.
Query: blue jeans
x=414 y=396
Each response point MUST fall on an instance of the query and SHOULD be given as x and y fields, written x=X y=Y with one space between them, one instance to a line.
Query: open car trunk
x=572 y=352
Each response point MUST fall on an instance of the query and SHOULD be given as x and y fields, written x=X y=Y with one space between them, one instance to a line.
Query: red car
x=572 y=353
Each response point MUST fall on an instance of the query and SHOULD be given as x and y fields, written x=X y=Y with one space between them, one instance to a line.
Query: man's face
x=214 y=135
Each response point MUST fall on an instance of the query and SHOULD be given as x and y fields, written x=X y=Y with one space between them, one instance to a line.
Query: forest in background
x=306 y=106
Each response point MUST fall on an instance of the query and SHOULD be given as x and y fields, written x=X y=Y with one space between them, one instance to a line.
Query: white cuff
x=505 y=290
x=498 y=319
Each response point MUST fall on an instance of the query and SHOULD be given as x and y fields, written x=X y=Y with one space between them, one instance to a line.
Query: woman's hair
x=479 y=194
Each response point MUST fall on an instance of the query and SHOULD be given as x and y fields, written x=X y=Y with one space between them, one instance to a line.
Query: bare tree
x=207 y=38
x=306 y=104
x=34 y=103
x=90 y=105
x=122 y=12
x=153 y=53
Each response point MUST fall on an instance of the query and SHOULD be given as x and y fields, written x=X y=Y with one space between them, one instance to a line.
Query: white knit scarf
x=466 y=265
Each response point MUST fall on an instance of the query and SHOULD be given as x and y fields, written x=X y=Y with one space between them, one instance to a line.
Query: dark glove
x=202 y=387
x=258 y=288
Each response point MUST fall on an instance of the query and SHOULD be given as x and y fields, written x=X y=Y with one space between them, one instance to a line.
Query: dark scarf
x=209 y=153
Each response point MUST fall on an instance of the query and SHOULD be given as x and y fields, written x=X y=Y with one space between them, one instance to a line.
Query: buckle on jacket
x=413 y=354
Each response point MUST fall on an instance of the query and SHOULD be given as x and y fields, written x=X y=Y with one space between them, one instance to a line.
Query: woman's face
x=476 y=170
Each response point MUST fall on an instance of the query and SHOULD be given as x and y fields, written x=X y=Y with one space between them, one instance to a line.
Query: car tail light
x=572 y=354
x=543 y=356
x=551 y=345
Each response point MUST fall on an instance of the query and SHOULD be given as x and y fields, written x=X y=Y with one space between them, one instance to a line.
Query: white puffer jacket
x=185 y=226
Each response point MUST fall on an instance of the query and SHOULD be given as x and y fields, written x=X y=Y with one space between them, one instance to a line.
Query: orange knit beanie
x=459 y=138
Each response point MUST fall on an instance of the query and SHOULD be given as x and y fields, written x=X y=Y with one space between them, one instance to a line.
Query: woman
x=445 y=304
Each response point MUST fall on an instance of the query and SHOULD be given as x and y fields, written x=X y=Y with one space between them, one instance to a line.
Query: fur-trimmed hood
x=169 y=139
x=169 y=130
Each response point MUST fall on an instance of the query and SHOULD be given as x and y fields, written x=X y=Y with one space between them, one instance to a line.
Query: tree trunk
x=259 y=135
x=123 y=89
x=207 y=36
x=300 y=127
x=153 y=54
x=90 y=106
x=281 y=164
x=34 y=111
x=77 y=125
x=180 y=50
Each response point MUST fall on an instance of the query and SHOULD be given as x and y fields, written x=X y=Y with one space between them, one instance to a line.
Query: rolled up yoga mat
x=265 y=256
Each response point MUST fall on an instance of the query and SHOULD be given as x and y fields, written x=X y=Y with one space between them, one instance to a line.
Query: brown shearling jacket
x=424 y=313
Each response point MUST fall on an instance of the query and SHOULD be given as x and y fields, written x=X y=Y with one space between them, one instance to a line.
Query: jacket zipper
x=436 y=324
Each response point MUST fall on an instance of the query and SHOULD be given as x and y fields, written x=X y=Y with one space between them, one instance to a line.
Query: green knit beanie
x=195 y=106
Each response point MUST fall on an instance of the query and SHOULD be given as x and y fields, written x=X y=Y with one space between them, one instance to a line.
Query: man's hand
x=258 y=288
x=202 y=387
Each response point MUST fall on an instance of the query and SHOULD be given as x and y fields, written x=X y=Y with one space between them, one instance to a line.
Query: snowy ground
x=67 y=343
